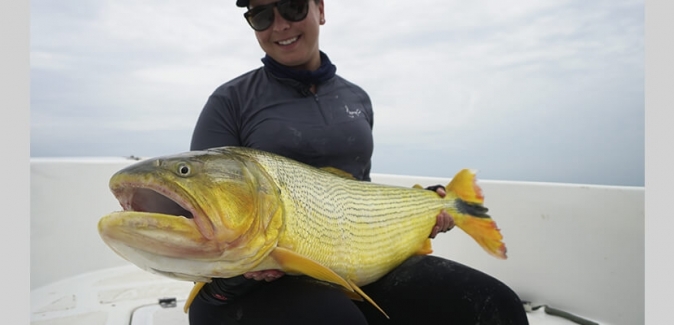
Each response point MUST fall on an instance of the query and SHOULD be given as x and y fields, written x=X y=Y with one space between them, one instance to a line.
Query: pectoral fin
x=293 y=262
x=352 y=294
x=360 y=292
x=193 y=294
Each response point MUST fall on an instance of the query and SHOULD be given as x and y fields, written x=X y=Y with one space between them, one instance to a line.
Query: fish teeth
x=288 y=41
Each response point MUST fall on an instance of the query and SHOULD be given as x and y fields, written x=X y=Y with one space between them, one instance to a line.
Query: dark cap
x=242 y=3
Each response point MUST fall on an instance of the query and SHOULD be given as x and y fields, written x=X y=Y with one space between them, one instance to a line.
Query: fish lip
x=126 y=191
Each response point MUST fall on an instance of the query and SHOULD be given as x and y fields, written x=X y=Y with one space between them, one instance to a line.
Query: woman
x=296 y=106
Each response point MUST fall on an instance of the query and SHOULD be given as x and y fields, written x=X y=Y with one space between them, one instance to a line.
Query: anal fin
x=426 y=248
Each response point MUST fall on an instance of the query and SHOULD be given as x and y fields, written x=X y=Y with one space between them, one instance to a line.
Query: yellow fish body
x=227 y=211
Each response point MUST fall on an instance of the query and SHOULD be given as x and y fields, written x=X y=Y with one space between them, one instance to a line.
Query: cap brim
x=242 y=3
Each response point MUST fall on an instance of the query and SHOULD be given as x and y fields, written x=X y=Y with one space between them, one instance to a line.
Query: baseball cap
x=242 y=3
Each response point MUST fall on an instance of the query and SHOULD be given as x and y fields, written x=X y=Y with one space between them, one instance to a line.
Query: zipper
x=320 y=107
x=305 y=91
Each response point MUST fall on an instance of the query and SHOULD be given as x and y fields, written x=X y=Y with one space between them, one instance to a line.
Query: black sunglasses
x=262 y=17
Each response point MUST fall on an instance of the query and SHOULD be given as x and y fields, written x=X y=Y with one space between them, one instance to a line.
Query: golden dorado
x=227 y=211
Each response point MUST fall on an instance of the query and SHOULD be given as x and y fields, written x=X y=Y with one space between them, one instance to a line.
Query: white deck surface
x=129 y=295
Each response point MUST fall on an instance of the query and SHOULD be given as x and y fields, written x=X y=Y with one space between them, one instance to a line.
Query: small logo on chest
x=352 y=113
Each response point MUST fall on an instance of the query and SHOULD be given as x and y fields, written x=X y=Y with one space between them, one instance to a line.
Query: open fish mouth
x=142 y=198
x=157 y=222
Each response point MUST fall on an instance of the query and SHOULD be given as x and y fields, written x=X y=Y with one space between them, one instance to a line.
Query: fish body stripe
x=326 y=219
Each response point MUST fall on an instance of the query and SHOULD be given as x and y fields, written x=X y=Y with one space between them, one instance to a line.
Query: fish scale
x=381 y=232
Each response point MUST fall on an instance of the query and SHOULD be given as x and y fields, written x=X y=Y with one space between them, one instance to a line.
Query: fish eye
x=184 y=170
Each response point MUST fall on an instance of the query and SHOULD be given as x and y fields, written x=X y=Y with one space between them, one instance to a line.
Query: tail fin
x=471 y=216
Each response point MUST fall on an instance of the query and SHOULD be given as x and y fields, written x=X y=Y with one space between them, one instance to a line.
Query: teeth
x=288 y=41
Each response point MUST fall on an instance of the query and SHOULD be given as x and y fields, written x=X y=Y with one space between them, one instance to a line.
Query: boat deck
x=129 y=295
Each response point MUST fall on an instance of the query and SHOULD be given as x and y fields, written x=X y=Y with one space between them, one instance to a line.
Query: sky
x=521 y=90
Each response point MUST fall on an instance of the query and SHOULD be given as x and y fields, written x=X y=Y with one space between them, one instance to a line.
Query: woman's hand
x=443 y=222
x=267 y=275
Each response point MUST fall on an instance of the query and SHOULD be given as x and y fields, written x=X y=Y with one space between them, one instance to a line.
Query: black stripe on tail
x=472 y=209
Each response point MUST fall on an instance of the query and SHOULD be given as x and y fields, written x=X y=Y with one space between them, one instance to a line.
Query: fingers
x=435 y=188
x=449 y=222
x=441 y=191
x=266 y=275
x=434 y=232
x=443 y=223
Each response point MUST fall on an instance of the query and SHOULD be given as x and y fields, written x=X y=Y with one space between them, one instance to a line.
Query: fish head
x=194 y=215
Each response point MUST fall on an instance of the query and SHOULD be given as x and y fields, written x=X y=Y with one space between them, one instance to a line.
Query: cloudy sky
x=523 y=90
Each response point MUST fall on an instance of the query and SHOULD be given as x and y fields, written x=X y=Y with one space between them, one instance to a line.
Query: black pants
x=423 y=290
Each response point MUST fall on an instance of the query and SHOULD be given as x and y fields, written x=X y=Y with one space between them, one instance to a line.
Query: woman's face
x=294 y=44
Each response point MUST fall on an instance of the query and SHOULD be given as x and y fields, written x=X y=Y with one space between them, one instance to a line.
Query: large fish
x=227 y=211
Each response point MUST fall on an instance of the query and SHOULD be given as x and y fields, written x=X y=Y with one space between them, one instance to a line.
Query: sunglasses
x=262 y=17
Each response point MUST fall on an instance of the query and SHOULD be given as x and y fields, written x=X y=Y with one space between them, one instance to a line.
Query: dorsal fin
x=338 y=172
